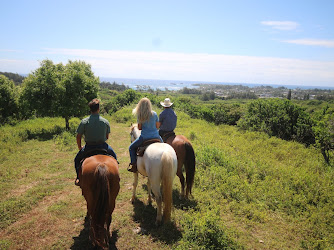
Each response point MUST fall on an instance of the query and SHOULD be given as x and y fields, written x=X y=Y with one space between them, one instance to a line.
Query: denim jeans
x=134 y=145
x=133 y=149
x=80 y=154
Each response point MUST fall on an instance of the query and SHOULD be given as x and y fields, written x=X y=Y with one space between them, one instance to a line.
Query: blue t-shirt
x=149 y=129
x=167 y=119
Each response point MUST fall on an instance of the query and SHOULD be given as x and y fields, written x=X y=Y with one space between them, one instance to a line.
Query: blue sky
x=241 y=41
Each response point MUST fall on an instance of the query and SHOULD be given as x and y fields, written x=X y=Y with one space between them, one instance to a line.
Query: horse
x=185 y=156
x=159 y=164
x=99 y=182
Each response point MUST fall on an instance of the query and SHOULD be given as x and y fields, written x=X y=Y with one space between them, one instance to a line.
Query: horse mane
x=134 y=129
x=133 y=126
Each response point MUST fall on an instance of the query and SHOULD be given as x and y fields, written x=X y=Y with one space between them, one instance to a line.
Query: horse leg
x=149 y=199
x=135 y=183
x=108 y=221
x=180 y=175
x=158 y=198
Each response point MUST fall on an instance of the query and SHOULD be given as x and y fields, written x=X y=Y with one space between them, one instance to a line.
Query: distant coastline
x=177 y=85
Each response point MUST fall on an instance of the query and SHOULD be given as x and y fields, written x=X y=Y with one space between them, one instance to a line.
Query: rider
x=95 y=130
x=148 y=123
x=167 y=118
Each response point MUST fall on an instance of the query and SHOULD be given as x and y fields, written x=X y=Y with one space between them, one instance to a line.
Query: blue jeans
x=133 y=148
x=80 y=155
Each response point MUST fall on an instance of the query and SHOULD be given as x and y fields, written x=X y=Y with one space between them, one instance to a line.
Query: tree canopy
x=8 y=100
x=60 y=90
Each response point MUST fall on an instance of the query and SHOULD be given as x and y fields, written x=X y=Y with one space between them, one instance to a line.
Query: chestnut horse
x=159 y=164
x=99 y=181
x=185 y=156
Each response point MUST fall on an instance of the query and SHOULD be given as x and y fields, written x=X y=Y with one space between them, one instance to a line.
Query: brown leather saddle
x=141 y=149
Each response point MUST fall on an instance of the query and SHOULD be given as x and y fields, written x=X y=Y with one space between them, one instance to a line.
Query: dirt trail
x=58 y=220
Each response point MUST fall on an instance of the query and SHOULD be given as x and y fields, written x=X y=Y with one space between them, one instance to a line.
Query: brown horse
x=185 y=156
x=99 y=181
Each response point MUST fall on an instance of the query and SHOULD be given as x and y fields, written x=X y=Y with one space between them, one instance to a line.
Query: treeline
x=276 y=117
x=64 y=90
x=113 y=86
x=16 y=78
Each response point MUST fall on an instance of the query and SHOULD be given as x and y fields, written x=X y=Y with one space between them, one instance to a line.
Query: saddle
x=167 y=135
x=94 y=151
x=141 y=149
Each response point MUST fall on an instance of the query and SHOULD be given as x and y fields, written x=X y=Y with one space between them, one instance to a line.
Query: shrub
x=279 y=118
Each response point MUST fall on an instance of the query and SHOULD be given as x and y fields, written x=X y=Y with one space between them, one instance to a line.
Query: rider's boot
x=133 y=167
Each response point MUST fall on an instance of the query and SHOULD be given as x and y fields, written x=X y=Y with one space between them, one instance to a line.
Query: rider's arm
x=139 y=126
x=157 y=124
x=79 y=136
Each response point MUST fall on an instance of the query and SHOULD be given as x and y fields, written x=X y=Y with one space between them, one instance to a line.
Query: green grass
x=248 y=188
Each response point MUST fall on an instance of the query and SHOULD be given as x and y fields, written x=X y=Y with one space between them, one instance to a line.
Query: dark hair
x=94 y=105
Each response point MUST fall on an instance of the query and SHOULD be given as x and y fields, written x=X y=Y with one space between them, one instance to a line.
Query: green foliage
x=57 y=90
x=204 y=231
x=42 y=90
x=125 y=115
x=260 y=178
x=127 y=97
x=8 y=100
x=16 y=78
x=279 y=118
x=113 y=86
x=79 y=86
x=188 y=91
x=324 y=132
x=39 y=128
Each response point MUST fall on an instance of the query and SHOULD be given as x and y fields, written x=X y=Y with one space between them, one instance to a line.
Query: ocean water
x=177 y=85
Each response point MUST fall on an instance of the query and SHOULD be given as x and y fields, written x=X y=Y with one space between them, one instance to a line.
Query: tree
x=79 y=86
x=324 y=132
x=42 y=90
x=8 y=100
x=58 y=90
x=280 y=118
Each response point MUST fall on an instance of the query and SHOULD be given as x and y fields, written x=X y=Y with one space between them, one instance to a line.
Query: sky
x=285 y=42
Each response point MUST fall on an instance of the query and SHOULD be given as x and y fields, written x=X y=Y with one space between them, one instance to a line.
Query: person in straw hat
x=167 y=118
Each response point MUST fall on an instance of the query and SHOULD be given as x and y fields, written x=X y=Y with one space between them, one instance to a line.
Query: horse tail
x=189 y=164
x=167 y=183
x=102 y=194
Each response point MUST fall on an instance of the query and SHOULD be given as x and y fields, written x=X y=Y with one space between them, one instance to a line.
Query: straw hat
x=166 y=103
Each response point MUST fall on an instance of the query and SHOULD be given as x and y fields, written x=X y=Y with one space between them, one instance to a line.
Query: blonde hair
x=143 y=110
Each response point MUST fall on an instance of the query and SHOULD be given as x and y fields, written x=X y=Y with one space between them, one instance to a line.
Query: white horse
x=159 y=164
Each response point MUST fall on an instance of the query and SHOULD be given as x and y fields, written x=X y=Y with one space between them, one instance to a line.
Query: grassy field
x=251 y=192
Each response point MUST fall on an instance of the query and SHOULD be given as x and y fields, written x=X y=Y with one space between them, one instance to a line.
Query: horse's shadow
x=182 y=203
x=82 y=241
x=169 y=233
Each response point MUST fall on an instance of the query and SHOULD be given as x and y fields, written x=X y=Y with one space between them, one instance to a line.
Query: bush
x=279 y=118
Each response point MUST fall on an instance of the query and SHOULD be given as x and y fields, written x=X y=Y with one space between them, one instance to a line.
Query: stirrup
x=77 y=182
x=133 y=168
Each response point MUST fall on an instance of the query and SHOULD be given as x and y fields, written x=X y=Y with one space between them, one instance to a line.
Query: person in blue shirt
x=95 y=129
x=148 y=123
x=167 y=118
